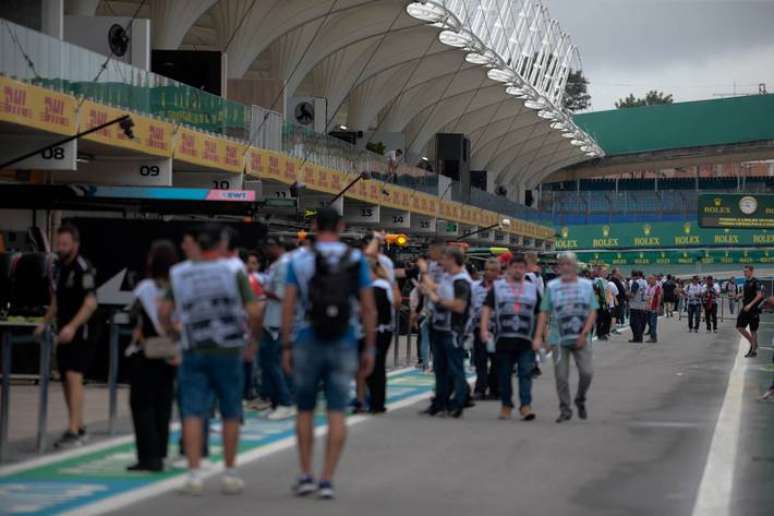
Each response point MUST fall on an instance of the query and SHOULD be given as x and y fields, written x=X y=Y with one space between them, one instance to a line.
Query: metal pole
x=45 y=372
x=113 y=374
x=396 y=339
x=723 y=311
x=5 y=394
x=408 y=341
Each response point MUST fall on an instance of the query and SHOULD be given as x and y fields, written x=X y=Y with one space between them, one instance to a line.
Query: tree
x=576 y=96
x=652 y=98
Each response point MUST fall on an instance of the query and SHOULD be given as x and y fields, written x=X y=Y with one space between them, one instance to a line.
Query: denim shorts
x=203 y=374
x=332 y=363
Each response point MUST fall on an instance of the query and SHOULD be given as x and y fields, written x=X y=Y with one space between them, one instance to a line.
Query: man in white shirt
x=693 y=296
x=394 y=159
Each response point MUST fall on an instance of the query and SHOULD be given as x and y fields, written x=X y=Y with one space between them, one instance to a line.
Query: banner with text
x=657 y=235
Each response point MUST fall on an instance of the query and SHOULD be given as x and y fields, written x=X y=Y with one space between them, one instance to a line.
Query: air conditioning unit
x=120 y=37
x=308 y=112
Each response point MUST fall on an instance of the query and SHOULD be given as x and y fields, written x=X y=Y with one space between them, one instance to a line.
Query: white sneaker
x=232 y=485
x=282 y=413
x=192 y=486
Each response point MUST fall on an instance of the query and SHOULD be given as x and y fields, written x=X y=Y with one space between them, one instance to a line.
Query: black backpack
x=331 y=290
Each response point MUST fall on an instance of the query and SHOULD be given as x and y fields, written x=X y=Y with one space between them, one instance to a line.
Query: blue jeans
x=653 y=321
x=272 y=376
x=332 y=363
x=203 y=374
x=449 y=369
x=694 y=316
x=424 y=342
x=525 y=359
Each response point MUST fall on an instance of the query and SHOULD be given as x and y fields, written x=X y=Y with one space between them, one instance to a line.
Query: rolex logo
x=663 y=254
x=618 y=255
x=605 y=231
x=647 y=229
x=726 y=230
x=565 y=231
x=687 y=228
x=642 y=255
x=717 y=201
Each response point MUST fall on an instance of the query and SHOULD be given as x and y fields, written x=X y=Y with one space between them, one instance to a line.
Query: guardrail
x=37 y=58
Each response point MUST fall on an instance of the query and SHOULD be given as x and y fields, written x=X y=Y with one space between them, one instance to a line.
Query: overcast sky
x=690 y=48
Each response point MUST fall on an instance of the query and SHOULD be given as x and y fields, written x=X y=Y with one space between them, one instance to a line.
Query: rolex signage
x=736 y=211
x=679 y=257
x=657 y=235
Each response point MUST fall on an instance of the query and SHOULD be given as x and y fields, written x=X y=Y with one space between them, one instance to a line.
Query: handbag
x=159 y=348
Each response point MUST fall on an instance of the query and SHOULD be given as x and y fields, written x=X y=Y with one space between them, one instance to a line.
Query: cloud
x=692 y=48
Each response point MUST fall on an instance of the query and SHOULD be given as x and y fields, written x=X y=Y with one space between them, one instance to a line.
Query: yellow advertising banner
x=209 y=151
x=33 y=106
x=150 y=136
x=401 y=198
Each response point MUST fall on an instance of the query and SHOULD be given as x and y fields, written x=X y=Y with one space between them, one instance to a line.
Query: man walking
x=653 y=297
x=570 y=304
x=327 y=285
x=485 y=362
x=669 y=289
x=752 y=295
x=693 y=294
x=638 y=306
x=603 y=313
x=273 y=377
x=616 y=279
x=215 y=307
x=709 y=300
x=450 y=325
x=512 y=304
x=72 y=304
x=732 y=291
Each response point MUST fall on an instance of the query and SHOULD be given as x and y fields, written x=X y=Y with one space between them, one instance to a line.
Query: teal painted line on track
x=94 y=476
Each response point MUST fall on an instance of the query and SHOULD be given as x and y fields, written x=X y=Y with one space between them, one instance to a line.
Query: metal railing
x=37 y=58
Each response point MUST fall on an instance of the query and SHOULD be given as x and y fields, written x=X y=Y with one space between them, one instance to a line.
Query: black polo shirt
x=73 y=282
x=751 y=288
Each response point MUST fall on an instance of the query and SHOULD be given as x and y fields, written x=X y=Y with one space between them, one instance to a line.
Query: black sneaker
x=431 y=411
x=564 y=416
x=304 y=485
x=456 y=413
x=325 y=490
x=68 y=440
x=581 y=410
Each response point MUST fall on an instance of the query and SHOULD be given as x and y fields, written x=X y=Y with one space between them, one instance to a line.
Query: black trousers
x=377 y=381
x=711 y=315
x=637 y=320
x=486 y=368
x=603 y=322
x=150 y=399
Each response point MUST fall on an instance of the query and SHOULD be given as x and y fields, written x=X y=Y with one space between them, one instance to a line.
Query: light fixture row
x=527 y=52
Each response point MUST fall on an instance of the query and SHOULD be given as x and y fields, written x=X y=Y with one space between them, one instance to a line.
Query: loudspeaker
x=449 y=146
x=528 y=199
x=478 y=179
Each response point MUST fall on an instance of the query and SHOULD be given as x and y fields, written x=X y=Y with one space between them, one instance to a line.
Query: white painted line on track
x=131 y=497
x=103 y=444
x=715 y=490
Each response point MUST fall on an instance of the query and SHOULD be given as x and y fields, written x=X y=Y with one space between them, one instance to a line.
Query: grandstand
x=606 y=200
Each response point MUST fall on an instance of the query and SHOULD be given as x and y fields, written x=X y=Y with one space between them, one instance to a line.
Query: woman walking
x=385 y=302
x=152 y=379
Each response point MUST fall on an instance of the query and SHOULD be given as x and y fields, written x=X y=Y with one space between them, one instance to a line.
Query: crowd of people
x=318 y=315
